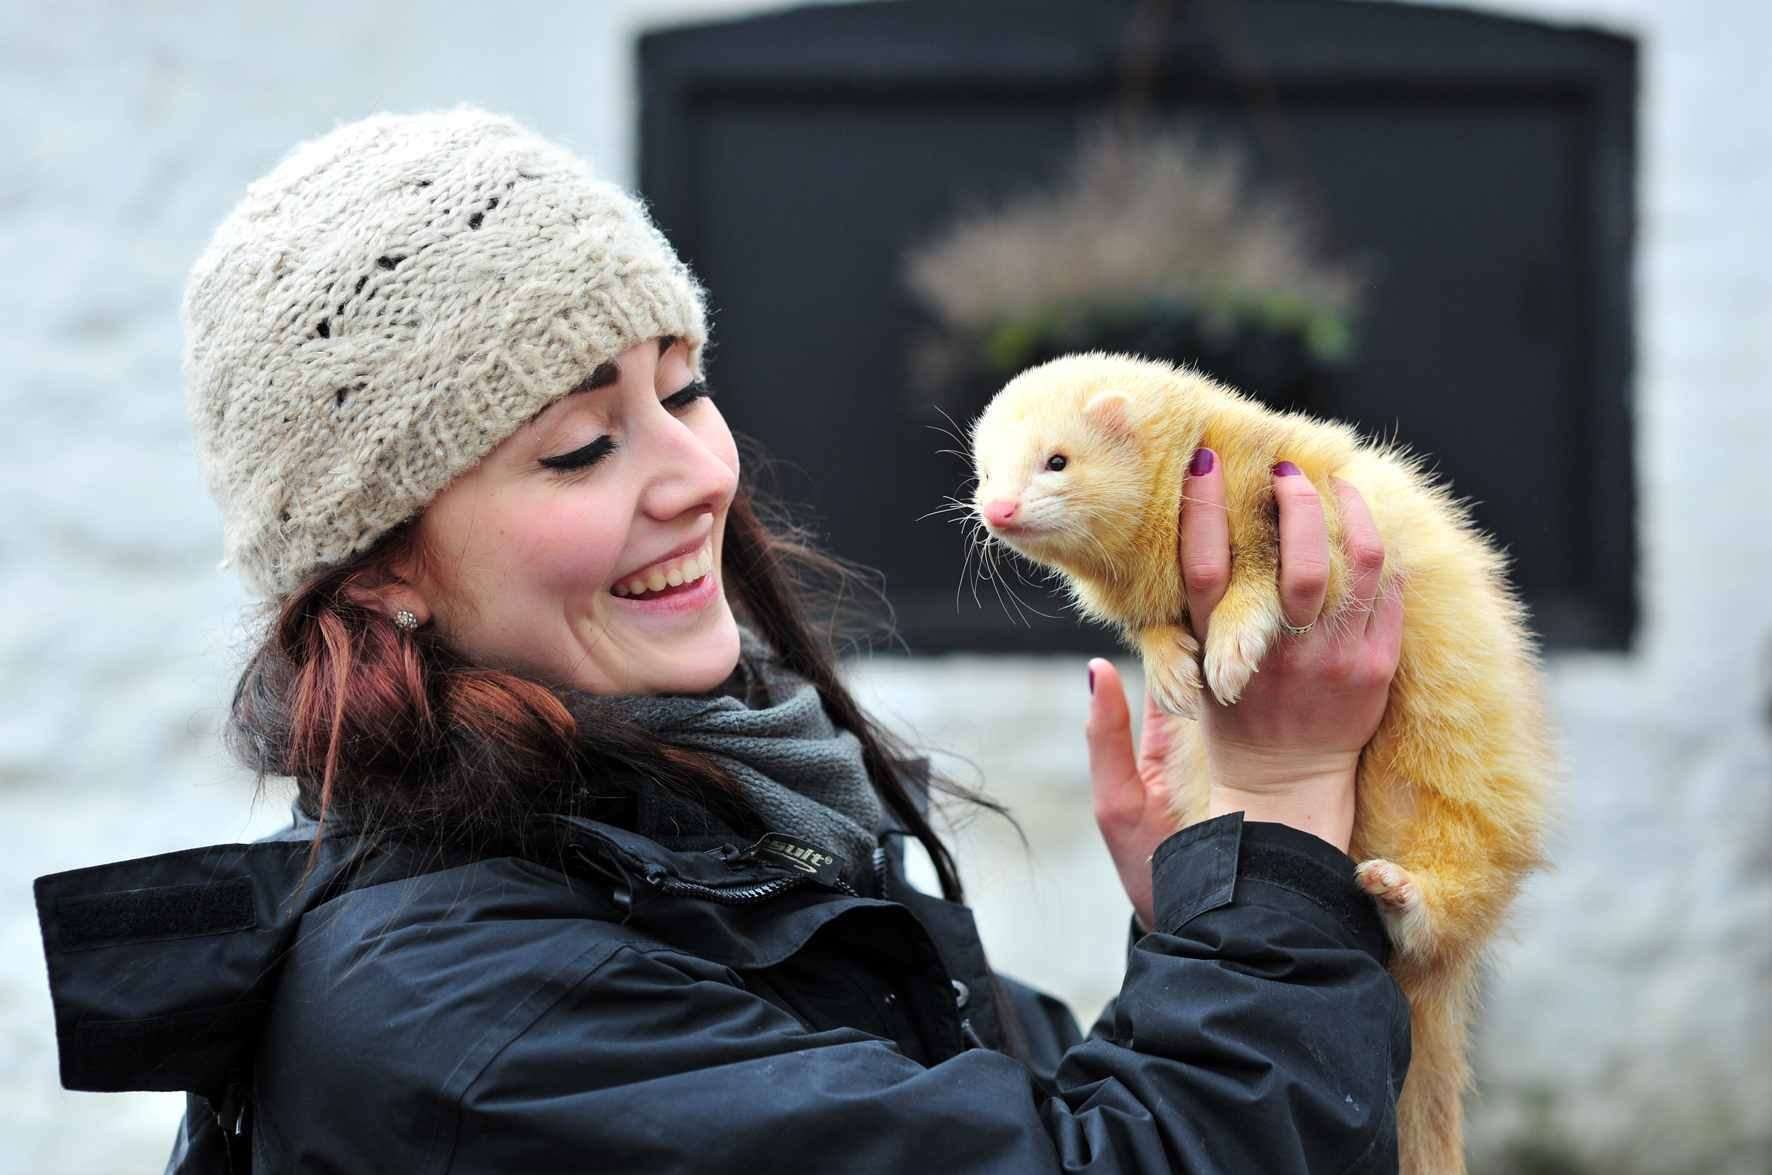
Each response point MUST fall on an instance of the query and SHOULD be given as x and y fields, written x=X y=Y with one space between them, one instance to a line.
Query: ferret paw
x=1400 y=904
x=1390 y=884
x=1175 y=686
x=1233 y=652
x=1171 y=670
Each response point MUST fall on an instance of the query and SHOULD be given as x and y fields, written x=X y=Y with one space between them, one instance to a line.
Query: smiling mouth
x=663 y=578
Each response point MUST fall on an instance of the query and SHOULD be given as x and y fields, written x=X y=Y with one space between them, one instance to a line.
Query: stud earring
x=405 y=621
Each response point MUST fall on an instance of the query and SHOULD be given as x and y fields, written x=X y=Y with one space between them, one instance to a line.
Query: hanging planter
x=1149 y=244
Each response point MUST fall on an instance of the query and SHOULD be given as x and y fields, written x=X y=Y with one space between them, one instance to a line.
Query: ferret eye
x=1056 y=462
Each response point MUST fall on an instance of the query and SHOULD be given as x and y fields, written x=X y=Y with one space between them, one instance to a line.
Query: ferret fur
x=1452 y=789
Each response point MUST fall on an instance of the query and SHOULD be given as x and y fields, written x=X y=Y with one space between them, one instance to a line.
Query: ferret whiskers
x=954 y=432
x=950 y=505
x=998 y=586
x=975 y=539
x=1045 y=574
x=1021 y=605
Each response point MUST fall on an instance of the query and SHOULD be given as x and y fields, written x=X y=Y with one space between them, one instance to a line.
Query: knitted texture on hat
x=390 y=302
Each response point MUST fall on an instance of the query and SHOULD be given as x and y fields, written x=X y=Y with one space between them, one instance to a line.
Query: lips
x=673 y=572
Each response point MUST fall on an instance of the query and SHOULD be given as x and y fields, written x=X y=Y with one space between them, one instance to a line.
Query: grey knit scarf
x=768 y=729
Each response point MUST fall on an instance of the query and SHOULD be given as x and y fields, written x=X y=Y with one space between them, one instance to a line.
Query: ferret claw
x=1385 y=881
x=1171 y=670
x=1175 y=687
x=1232 y=655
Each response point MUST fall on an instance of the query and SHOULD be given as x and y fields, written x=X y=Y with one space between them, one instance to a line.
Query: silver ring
x=405 y=621
x=1294 y=629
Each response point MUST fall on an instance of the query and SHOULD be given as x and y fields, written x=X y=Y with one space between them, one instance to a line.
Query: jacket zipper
x=729 y=895
x=737 y=895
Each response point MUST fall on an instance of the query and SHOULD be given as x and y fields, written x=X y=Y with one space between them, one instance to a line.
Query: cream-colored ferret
x=1092 y=451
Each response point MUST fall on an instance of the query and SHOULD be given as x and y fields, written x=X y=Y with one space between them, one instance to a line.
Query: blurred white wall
x=1627 y=1022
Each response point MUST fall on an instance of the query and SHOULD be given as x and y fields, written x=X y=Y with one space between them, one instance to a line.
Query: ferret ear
x=1110 y=411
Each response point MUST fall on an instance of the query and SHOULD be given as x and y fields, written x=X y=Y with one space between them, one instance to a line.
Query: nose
x=1000 y=511
x=691 y=472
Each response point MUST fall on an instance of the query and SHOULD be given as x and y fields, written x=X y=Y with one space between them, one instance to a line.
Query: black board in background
x=1484 y=165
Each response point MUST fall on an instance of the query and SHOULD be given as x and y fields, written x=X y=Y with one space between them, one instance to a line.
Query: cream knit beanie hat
x=388 y=304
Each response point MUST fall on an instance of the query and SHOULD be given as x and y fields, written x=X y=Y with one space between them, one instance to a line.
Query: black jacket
x=634 y=1001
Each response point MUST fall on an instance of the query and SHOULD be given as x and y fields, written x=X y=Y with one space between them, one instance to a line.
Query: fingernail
x=1201 y=464
x=1286 y=469
x=1092 y=681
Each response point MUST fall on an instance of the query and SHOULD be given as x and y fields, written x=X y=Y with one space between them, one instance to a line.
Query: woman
x=595 y=862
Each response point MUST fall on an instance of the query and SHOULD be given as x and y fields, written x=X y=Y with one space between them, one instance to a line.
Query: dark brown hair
x=384 y=730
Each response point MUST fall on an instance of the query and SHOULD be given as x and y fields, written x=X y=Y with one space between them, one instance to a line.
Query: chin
x=707 y=662
x=1028 y=546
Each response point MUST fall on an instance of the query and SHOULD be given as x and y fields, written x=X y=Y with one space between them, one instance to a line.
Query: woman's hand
x=1289 y=749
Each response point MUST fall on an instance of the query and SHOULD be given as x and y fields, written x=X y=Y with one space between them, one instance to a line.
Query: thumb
x=1113 y=767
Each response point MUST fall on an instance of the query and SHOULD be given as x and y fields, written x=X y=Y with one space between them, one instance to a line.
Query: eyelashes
x=582 y=458
x=689 y=395
x=588 y=455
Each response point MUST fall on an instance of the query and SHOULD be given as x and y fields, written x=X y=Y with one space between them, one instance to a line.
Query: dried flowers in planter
x=1152 y=244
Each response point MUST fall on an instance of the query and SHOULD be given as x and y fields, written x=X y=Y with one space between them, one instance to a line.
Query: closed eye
x=588 y=455
x=582 y=458
x=689 y=395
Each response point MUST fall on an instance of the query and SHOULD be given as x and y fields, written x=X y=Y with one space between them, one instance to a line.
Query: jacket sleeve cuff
x=1227 y=861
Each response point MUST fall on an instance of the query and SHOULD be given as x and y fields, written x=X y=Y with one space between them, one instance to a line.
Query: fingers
x=1113 y=769
x=1304 y=546
x=1205 y=539
x=1386 y=629
x=1364 y=546
x=1155 y=733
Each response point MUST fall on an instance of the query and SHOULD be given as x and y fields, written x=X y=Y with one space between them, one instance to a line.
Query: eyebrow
x=609 y=371
x=606 y=373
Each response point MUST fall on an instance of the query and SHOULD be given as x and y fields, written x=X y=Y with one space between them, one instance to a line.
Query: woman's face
x=549 y=556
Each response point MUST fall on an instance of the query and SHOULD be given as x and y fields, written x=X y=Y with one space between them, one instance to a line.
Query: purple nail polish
x=1201 y=464
x=1092 y=681
x=1286 y=469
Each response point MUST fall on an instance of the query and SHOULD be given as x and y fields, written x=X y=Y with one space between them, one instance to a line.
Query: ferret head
x=1059 y=457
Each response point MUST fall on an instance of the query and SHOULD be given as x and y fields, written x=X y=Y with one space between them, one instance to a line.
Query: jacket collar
x=196 y=935
x=200 y=933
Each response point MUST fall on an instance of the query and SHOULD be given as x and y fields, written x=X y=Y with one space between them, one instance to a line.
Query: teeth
x=685 y=570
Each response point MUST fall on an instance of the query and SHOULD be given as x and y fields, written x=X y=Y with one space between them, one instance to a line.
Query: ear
x=390 y=599
x=1111 y=412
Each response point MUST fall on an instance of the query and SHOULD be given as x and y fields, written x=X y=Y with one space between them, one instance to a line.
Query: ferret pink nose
x=1000 y=511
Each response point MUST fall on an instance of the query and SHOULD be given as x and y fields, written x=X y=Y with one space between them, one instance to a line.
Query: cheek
x=567 y=542
x=521 y=549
